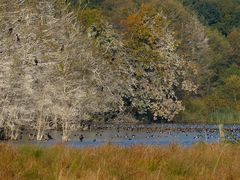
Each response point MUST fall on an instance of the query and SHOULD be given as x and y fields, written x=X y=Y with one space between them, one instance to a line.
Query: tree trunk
x=65 y=137
x=14 y=133
x=66 y=132
x=41 y=126
x=235 y=97
x=40 y=131
x=40 y=135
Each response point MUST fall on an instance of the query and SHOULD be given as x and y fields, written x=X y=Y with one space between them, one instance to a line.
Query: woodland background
x=67 y=62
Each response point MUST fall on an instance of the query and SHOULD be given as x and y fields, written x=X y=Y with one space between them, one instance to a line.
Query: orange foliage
x=136 y=20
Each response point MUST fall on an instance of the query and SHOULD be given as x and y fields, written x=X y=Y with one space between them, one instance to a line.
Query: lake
x=152 y=134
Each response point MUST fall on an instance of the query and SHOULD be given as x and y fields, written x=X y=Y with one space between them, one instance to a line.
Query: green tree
x=234 y=39
x=232 y=87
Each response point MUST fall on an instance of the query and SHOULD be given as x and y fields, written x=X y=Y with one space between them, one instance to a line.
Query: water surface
x=156 y=134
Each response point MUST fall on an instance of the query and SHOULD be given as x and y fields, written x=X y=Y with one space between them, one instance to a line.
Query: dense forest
x=67 y=62
x=206 y=32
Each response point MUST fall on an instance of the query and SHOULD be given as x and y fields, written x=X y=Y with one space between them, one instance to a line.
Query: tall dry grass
x=112 y=162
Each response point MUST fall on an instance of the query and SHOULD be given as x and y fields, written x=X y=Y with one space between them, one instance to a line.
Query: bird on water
x=81 y=137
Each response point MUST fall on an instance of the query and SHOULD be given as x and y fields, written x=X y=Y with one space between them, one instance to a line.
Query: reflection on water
x=160 y=134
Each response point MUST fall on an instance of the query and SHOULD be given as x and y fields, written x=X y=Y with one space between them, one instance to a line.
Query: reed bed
x=200 y=161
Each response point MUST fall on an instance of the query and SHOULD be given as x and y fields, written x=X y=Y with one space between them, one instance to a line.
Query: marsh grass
x=200 y=161
x=223 y=115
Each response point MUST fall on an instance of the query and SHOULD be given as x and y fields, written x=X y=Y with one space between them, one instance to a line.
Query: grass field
x=201 y=161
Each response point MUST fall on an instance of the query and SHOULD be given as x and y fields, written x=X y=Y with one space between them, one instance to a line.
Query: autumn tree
x=159 y=72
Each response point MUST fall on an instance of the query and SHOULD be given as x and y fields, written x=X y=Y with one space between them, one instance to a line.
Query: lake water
x=157 y=134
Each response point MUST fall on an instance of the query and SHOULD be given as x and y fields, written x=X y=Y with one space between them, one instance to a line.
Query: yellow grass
x=113 y=162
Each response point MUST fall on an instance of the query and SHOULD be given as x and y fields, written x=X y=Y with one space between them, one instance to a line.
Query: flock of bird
x=131 y=132
x=97 y=133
